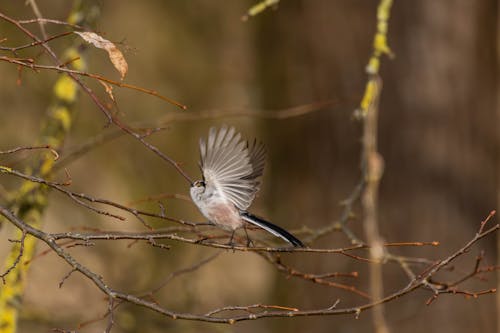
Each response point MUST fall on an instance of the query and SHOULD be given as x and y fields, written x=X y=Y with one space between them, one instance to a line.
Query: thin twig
x=65 y=277
x=22 y=47
x=18 y=258
x=182 y=271
x=45 y=20
x=17 y=149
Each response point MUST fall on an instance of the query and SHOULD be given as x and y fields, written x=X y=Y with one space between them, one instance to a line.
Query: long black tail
x=272 y=228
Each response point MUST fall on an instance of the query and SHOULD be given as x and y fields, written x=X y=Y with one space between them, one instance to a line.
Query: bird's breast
x=224 y=214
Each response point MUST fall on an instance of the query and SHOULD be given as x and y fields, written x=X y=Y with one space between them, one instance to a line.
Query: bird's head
x=197 y=189
x=198 y=184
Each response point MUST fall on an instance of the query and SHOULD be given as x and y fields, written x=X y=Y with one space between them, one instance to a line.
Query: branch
x=17 y=149
x=418 y=282
x=78 y=197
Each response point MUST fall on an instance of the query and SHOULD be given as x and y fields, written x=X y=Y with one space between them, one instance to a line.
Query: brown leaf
x=115 y=55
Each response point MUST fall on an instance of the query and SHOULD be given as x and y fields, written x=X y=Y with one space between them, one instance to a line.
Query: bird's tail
x=272 y=228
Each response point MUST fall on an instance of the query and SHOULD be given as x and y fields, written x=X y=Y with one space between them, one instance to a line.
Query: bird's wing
x=257 y=153
x=227 y=164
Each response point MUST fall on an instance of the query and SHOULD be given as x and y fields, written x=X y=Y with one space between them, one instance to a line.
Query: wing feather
x=257 y=154
x=231 y=166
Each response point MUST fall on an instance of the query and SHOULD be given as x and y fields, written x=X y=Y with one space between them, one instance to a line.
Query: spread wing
x=231 y=167
x=257 y=153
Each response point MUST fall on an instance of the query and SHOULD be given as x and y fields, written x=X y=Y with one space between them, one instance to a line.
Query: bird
x=231 y=176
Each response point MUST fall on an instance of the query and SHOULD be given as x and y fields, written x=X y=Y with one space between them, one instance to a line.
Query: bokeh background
x=438 y=136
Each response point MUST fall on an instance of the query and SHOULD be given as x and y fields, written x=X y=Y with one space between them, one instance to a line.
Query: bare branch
x=183 y=271
x=79 y=197
x=45 y=20
x=17 y=259
x=32 y=44
x=17 y=149
x=419 y=282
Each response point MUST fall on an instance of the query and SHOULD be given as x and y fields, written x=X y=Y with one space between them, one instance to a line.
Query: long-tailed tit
x=231 y=177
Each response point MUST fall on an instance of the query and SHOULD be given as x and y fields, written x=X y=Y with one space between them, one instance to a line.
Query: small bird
x=231 y=169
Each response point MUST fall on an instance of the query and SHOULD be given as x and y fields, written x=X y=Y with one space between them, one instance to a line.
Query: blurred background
x=438 y=137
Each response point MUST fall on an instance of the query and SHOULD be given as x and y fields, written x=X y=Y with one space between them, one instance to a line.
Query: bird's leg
x=249 y=241
x=231 y=243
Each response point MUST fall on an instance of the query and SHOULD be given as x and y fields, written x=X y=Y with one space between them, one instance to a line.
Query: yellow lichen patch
x=259 y=8
x=370 y=92
x=9 y=299
x=65 y=89
x=27 y=187
x=8 y=318
x=380 y=40
x=73 y=56
x=52 y=141
x=373 y=65
x=11 y=291
x=75 y=17
x=380 y=47
x=384 y=10
x=46 y=167
x=380 y=44
x=5 y=169
x=62 y=114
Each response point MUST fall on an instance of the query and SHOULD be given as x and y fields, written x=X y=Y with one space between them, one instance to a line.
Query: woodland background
x=438 y=136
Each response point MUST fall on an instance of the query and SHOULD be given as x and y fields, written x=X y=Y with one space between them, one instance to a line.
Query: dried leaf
x=118 y=61
x=115 y=55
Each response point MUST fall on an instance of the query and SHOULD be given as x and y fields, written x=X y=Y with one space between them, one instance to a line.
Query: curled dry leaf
x=115 y=55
